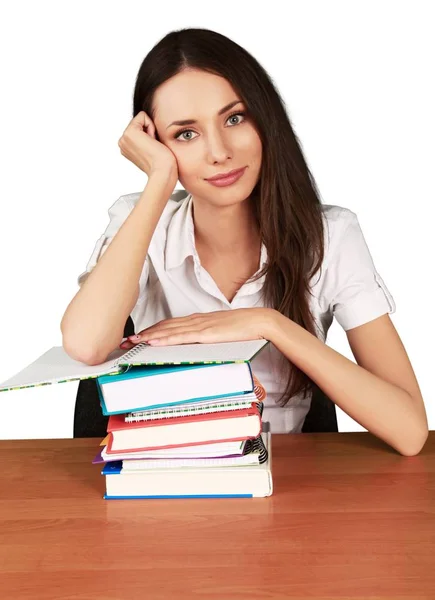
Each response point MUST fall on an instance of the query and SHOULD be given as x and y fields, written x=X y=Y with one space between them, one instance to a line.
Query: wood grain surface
x=349 y=518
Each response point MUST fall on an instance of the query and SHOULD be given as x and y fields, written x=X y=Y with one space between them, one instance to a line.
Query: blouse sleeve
x=118 y=212
x=357 y=293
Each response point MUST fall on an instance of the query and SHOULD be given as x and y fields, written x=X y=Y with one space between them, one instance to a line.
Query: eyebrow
x=192 y=121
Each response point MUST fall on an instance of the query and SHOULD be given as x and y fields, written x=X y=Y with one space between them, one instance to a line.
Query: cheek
x=256 y=144
x=249 y=141
x=187 y=161
x=187 y=164
x=254 y=150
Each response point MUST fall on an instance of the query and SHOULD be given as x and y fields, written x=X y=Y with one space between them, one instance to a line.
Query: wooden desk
x=349 y=518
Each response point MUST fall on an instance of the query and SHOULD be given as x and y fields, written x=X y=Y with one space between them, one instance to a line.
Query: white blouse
x=174 y=284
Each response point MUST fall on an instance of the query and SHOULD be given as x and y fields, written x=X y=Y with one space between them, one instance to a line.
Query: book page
x=55 y=366
x=143 y=354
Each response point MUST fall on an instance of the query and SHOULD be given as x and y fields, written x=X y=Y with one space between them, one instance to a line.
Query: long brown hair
x=285 y=199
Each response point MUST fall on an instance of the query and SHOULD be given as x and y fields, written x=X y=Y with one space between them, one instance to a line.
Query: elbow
x=90 y=358
x=80 y=349
x=417 y=445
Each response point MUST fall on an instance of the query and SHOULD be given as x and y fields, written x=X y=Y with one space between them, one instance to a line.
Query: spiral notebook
x=56 y=366
x=185 y=410
x=254 y=453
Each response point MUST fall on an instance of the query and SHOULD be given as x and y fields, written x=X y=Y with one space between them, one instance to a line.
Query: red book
x=189 y=430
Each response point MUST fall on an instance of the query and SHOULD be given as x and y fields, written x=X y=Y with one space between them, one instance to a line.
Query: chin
x=227 y=196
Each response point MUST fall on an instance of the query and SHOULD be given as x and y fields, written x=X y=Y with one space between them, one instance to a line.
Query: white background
x=357 y=79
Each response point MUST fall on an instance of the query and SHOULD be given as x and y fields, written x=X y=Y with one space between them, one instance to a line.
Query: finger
x=144 y=123
x=126 y=345
x=190 y=337
x=150 y=128
x=179 y=330
x=174 y=321
x=185 y=323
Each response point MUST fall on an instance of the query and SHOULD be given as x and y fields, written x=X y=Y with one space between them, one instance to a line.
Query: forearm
x=94 y=321
x=382 y=408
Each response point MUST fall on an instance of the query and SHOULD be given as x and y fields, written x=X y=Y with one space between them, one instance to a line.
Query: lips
x=226 y=175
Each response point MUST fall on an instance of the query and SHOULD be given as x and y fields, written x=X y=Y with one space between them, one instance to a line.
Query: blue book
x=150 y=387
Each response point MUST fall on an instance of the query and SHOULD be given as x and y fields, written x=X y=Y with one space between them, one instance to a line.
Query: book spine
x=168 y=496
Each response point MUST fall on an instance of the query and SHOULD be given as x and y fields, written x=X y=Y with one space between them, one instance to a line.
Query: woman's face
x=215 y=143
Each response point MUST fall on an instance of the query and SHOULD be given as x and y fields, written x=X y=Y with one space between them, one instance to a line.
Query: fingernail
x=133 y=338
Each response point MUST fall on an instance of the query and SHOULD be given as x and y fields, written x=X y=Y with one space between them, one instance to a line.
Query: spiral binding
x=130 y=354
x=256 y=445
x=182 y=411
x=259 y=390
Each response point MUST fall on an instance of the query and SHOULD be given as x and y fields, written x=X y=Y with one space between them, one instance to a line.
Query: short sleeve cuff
x=143 y=281
x=366 y=307
x=99 y=249
x=82 y=277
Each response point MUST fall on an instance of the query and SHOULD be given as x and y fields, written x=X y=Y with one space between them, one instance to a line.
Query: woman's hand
x=139 y=145
x=239 y=324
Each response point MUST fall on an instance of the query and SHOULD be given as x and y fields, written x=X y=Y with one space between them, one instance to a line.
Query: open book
x=56 y=366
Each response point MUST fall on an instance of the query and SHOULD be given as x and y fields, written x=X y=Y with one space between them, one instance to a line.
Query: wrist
x=162 y=181
x=271 y=323
x=167 y=174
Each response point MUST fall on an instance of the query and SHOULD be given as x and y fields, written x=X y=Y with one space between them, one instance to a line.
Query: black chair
x=89 y=421
x=322 y=416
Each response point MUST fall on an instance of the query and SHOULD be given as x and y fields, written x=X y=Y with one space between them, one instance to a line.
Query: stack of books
x=184 y=421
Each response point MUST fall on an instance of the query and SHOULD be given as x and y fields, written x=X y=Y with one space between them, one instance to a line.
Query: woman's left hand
x=239 y=324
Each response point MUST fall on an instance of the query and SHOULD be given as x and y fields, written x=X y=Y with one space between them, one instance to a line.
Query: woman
x=255 y=256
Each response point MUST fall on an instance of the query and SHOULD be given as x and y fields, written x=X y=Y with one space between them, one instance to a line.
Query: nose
x=218 y=147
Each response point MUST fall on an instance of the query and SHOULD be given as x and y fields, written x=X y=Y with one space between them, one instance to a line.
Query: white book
x=190 y=463
x=151 y=387
x=234 y=481
x=56 y=366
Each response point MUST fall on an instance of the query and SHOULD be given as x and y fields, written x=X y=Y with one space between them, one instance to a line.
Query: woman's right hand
x=138 y=144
